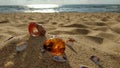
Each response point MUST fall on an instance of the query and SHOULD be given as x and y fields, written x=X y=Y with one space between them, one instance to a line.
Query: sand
x=96 y=34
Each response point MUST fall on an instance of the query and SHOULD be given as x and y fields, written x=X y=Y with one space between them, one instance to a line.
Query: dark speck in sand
x=9 y=39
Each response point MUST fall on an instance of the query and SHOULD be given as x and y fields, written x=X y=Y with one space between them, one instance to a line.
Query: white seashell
x=83 y=67
x=42 y=50
x=21 y=46
x=59 y=58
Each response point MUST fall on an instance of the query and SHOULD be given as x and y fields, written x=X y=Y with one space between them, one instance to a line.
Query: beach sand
x=96 y=34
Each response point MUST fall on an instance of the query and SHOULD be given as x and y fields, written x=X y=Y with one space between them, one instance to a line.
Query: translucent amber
x=55 y=45
x=36 y=29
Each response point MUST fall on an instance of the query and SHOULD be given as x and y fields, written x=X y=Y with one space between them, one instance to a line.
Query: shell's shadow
x=33 y=58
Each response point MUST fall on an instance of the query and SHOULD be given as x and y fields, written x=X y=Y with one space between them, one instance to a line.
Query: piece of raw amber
x=36 y=29
x=55 y=45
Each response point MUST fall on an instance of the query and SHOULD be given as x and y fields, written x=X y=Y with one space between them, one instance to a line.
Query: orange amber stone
x=55 y=45
x=36 y=29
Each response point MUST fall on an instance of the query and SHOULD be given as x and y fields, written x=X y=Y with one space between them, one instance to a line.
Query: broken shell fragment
x=83 y=67
x=54 y=36
x=42 y=50
x=59 y=58
x=36 y=29
x=21 y=46
x=95 y=59
x=70 y=41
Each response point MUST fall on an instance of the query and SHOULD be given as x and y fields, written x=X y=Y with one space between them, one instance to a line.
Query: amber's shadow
x=31 y=57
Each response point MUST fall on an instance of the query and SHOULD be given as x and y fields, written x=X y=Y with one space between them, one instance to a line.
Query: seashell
x=70 y=41
x=59 y=58
x=54 y=36
x=95 y=59
x=42 y=50
x=56 y=46
x=83 y=67
x=36 y=29
x=21 y=46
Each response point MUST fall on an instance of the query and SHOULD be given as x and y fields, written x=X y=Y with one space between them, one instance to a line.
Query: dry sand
x=95 y=34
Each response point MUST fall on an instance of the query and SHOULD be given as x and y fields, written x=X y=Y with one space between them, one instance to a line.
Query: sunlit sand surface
x=96 y=34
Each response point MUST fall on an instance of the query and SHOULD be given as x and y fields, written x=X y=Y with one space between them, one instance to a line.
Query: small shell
x=70 y=41
x=42 y=50
x=83 y=67
x=59 y=58
x=95 y=59
x=54 y=36
x=21 y=46
x=36 y=29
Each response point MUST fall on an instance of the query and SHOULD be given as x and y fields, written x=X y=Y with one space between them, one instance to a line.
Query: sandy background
x=95 y=34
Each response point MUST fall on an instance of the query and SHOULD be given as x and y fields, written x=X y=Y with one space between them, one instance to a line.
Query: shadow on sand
x=31 y=57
